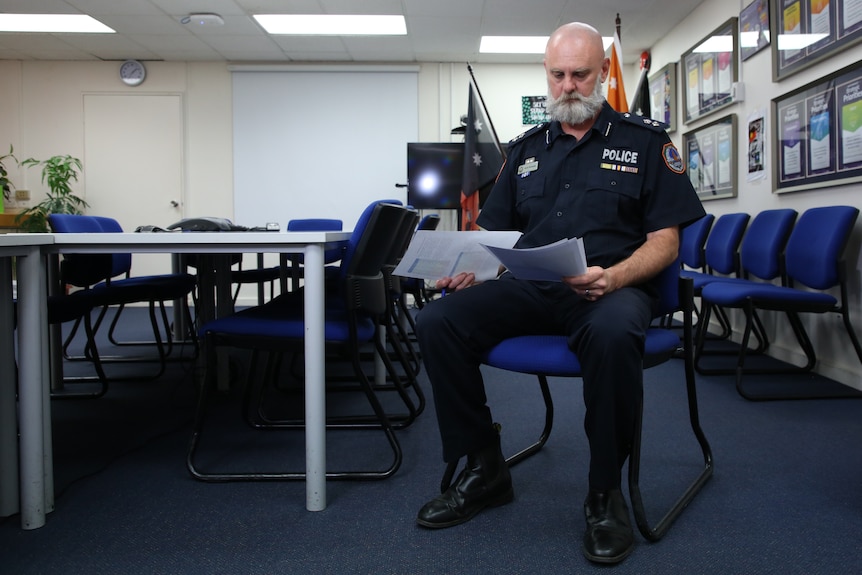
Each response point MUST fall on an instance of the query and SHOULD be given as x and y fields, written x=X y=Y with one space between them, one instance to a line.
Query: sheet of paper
x=545 y=263
x=434 y=254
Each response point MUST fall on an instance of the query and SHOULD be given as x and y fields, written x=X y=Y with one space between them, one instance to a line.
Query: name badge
x=529 y=165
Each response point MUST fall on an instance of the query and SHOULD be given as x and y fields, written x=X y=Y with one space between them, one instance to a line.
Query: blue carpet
x=784 y=498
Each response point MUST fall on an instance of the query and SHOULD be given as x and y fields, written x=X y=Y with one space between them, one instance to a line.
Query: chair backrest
x=364 y=279
x=763 y=245
x=815 y=249
x=722 y=245
x=693 y=240
x=358 y=230
x=667 y=287
x=315 y=225
x=122 y=263
x=429 y=222
x=81 y=270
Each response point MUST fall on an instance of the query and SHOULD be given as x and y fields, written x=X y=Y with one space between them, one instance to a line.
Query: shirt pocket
x=530 y=190
x=614 y=196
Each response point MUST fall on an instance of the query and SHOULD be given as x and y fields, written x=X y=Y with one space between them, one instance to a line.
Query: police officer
x=617 y=181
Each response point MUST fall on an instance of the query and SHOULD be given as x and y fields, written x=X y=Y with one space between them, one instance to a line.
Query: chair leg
x=658 y=531
x=523 y=454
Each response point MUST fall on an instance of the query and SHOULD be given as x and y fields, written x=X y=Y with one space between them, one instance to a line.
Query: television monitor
x=434 y=172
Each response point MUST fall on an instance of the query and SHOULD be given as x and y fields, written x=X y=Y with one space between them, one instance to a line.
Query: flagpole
x=485 y=108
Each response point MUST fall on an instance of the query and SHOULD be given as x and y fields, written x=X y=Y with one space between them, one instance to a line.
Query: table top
x=178 y=242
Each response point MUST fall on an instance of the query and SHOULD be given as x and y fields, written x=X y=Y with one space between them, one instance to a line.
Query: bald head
x=576 y=66
x=576 y=36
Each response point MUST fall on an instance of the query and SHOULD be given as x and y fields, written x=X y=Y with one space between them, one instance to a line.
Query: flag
x=483 y=158
x=641 y=101
x=616 y=90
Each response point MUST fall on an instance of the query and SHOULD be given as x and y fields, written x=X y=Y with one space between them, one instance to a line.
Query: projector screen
x=317 y=143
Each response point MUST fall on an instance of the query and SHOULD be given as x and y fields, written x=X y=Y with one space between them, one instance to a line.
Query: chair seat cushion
x=257 y=275
x=144 y=288
x=277 y=322
x=550 y=354
x=767 y=296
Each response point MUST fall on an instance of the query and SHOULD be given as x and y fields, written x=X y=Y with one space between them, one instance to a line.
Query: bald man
x=617 y=181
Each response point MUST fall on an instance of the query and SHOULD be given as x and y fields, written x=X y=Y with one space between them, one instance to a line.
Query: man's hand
x=458 y=282
x=592 y=284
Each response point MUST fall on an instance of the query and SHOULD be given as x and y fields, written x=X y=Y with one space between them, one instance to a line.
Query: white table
x=36 y=488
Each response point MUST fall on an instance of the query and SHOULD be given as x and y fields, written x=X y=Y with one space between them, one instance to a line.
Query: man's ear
x=606 y=69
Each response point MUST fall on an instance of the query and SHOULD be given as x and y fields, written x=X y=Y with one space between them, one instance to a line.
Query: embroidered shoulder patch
x=672 y=158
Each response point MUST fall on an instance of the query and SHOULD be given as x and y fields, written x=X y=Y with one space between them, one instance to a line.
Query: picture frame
x=803 y=38
x=662 y=93
x=710 y=71
x=754 y=31
x=710 y=153
x=817 y=130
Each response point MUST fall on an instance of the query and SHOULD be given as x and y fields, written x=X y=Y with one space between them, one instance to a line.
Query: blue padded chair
x=813 y=263
x=760 y=258
x=77 y=307
x=330 y=256
x=720 y=257
x=98 y=274
x=549 y=356
x=692 y=245
x=279 y=326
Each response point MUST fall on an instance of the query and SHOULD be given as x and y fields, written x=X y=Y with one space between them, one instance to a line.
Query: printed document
x=435 y=254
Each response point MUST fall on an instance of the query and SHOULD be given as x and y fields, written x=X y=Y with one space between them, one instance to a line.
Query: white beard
x=574 y=109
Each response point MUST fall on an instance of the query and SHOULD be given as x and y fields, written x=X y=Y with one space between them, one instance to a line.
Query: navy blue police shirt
x=623 y=179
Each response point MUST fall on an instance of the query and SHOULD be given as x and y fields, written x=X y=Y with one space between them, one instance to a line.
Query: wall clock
x=132 y=72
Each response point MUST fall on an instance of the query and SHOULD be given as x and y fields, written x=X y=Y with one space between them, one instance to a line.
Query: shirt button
x=559 y=214
x=613 y=182
x=567 y=186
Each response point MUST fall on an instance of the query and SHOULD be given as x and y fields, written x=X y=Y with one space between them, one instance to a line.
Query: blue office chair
x=98 y=273
x=813 y=262
x=692 y=244
x=279 y=326
x=760 y=257
x=549 y=356
x=721 y=258
x=330 y=256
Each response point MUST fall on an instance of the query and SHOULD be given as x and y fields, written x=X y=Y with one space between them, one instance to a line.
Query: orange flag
x=616 y=90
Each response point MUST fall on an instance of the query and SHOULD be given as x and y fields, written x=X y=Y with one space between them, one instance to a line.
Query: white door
x=133 y=161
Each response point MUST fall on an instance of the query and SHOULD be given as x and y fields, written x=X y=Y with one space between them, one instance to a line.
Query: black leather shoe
x=609 y=537
x=484 y=482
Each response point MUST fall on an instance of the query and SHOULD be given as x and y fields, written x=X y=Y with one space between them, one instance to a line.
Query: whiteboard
x=312 y=144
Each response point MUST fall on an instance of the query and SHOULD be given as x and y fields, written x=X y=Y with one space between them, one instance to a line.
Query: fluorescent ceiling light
x=521 y=44
x=333 y=24
x=55 y=23
x=798 y=41
x=716 y=44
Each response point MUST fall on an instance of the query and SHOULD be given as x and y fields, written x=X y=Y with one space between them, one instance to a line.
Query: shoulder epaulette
x=530 y=132
x=649 y=123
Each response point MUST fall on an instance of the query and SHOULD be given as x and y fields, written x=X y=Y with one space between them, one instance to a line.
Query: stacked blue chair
x=720 y=257
x=353 y=318
x=813 y=263
x=760 y=259
x=98 y=273
x=549 y=356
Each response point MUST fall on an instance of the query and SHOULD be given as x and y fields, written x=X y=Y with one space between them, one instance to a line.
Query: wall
x=41 y=114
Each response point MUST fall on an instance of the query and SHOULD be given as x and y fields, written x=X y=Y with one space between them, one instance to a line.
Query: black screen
x=434 y=172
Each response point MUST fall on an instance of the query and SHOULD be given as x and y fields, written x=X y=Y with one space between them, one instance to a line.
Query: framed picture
x=710 y=156
x=753 y=28
x=808 y=31
x=662 y=93
x=818 y=133
x=710 y=72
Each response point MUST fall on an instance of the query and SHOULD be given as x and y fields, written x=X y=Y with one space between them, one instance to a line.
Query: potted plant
x=5 y=184
x=57 y=172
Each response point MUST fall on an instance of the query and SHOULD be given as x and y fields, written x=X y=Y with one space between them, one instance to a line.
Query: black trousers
x=607 y=335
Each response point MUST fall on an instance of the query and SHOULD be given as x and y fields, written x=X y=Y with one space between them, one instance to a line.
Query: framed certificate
x=662 y=93
x=709 y=70
x=710 y=156
x=818 y=133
